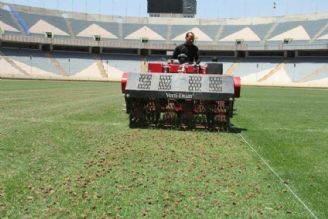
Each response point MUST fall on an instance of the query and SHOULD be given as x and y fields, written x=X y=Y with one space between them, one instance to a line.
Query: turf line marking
x=56 y=121
x=279 y=178
x=293 y=130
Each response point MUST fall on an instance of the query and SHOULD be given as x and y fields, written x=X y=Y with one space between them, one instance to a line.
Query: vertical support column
x=296 y=53
x=285 y=54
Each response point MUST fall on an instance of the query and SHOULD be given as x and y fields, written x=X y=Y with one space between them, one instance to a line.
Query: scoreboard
x=172 y=6
x=189 y=6
x=165 y=6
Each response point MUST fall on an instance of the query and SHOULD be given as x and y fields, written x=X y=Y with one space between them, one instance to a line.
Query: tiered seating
x=297 y=70
x=125 y=63
x=73 y=63
x=47 y=24
x=210 y=30
x=6 y=18
x=80 y=26
x=308 y=69
x=311 y=27
x=321 y=76
x=323 y=36
x=259 y=30
x=303 y=31
x=85 y=66
x=180 y=29
x=30 y=60
x=263 y=33
x=129 y=28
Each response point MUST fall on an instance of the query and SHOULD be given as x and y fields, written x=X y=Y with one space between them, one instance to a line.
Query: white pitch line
x=278 y=176
x=294 y=130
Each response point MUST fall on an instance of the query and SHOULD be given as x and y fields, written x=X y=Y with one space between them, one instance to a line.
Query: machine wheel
x=137 y=115
x=132 y=123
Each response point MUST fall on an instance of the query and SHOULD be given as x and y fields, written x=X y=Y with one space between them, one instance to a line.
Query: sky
x=205 y=8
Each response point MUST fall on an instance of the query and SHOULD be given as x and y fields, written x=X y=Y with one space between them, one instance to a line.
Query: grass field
x=66 y=152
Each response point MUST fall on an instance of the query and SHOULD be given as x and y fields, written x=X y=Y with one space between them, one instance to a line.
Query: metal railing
x=164 y=45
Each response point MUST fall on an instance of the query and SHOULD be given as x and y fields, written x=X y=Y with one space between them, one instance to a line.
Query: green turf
x=289 y=127
x=66 y=152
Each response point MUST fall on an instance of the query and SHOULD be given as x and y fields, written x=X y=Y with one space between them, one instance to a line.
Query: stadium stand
x=253 y=33
x=39 y=24
x=140 y=31
x=318 y=76
x=33 y=58
x=7 y=22
x=288 y=50
x=201 y=36
x=73 y=63
x=300 y=30
x=106 y=30
x=323 y=34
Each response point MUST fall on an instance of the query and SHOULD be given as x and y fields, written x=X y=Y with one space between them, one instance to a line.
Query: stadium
x=66 y=149
x=279 y=51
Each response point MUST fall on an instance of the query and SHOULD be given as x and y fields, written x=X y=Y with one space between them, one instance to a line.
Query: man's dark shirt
x=189 y=49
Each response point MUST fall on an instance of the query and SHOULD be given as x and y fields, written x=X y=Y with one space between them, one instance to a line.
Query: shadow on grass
x=237 y=130
x=232 y=129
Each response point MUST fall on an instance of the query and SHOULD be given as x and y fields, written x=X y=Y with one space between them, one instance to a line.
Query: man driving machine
x=187 y=52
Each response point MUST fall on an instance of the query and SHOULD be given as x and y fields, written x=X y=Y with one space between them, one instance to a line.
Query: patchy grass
x=67 y=151
x=289 y=127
